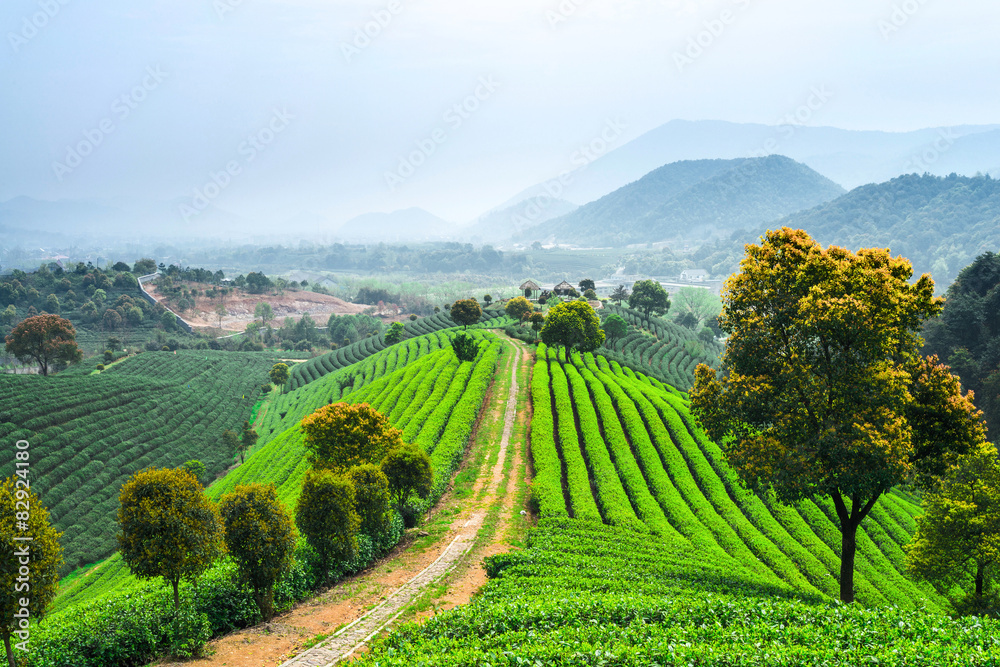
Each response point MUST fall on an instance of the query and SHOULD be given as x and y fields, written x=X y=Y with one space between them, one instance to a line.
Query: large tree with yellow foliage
x=29 y=569
x=822 y=390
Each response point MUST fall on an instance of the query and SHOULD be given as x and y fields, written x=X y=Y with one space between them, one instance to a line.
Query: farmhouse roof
x=530 y=284
x=563 y=285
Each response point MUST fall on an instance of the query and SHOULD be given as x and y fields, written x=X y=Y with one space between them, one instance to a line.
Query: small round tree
x=44 y=339
x=260 y=537
x=573 y=325
x=196 y=468
x=466 y=312
x=395 y=333
x=408 y=469
x=248 y=438
x=168 y=526
x=279 y=374
x=537 y=320
x=465 y=347
x=326 y=516
x=30 y=571
x=340 y=436
x=649 y=297
x=615 y=327
x=371 y=497
x=587 y=284
x=517 y=307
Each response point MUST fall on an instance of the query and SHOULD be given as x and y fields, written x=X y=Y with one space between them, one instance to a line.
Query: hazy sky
x=305 y=105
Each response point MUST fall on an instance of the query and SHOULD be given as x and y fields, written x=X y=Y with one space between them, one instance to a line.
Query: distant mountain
x=940 y=224
x=411 y=224
x=693 y=199
x=501 y=223
x=848 y=157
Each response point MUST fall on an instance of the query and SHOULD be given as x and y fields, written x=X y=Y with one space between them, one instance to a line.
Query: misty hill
x=411 y=224
x=693 y=199
x=503 y=222
x=940 y=224
x=848 y=157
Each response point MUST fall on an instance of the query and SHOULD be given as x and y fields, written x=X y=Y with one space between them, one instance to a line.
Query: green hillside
x=660 y=348
x=694 y=199
x=419 y=384
x=613 y=446
x=589 y=594
x=90 y=433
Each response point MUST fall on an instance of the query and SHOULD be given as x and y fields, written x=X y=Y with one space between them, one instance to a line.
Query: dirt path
x=354 y=636
x=336 y=623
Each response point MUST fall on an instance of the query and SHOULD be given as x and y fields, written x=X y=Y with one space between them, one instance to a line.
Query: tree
x=231 y=441
x=587 y=284
x=466 y=312
x=30 y=571
x=260 y=537
x=573 y=325
x=517 y=307
x=196 y=468
x=144 y=266
x=649 y=297
x=537 y=320
x=703 y=304
x=248 y=438
x=465 y=347
x=371 y=497
x=340 y=436
x=395 y=333
x=590 y=295
x=408 y=469
x=258 y=283
x=958 y=534
x=325 y=515
x=488 y=299
x=279 y=374
x=44 y=339
x=688 y=320
x=169 y=321
x=264 y=311
x=823 y=392
x=9 y=316
x=52 y=304
x=168 y=526
x=220 y=312
x=615 y=327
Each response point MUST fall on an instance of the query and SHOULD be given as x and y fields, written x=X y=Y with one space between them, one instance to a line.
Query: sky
x=273 y=109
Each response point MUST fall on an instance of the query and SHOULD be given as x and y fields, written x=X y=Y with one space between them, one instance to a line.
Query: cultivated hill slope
x=613 y=446
x=89 y=433
x=693 y=199
x=419 y=384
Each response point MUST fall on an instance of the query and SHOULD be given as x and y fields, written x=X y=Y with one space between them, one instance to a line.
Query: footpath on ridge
x=365 y=604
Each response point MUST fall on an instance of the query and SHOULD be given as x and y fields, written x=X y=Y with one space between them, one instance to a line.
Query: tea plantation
x=90 y=433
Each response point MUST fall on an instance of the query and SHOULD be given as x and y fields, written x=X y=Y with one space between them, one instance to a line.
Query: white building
x=694 y=275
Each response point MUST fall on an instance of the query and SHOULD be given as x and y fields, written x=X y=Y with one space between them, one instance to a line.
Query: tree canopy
x=168 y=526
x=620 y=294
x=466 y=312
x=649 y=297
x=326 y=516
x=25 y=596
x=823 y=391
x=573 y=325
x=279 y=374
x=615 y=327
x=958 y=535
x=260 y=537
x=517 y=307
x=408 y=470
x=395 y=333
x=44 y=339
x=340 y=436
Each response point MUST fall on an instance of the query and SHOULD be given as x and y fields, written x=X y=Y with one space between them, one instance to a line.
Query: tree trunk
x=979 y=580
x=848 y=546
x=177 y=597
x=10 y=651
x=849 y=522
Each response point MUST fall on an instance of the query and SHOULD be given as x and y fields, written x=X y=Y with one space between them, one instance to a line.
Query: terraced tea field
x=615 y=446
x=89 y=433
